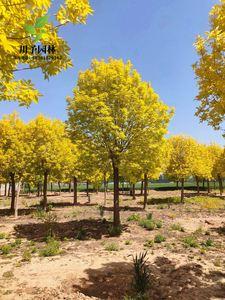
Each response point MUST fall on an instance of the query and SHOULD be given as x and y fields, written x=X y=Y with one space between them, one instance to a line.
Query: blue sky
x=156 y=35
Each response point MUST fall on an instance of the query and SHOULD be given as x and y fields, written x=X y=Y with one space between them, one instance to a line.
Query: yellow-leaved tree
x=14 y=153
x=203 y=165
x=182 y=159
x=210 y=69
x=22 y=25
x=218 y=170
x=51 y=150
x=113 y=108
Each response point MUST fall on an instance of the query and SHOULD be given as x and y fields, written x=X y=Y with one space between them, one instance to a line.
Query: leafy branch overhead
x=32 y=25
x=36 y=31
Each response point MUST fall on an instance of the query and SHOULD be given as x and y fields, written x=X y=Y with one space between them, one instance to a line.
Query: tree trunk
x=145 y=190
x=51 y=187
x=59 y=185
x=142 y=186
x=5 y=193
x=45 y=187
x=69 y=187
x=197 y=183
x=29 y=189
x=220 y=185
x=182 y=190
x=0 y=189
x=38 y=189
x=177 y=184
x=116 y=208
x=105 y=190
x=17 y=199
x=9 y=189
x=87 y=188
x=208 y=187
x=74 y=190
x=203 y=183
x=13 y=193
x=133 y=191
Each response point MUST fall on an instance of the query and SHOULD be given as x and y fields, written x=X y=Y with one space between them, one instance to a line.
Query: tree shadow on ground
x=94 y=229
x=65 y=204
x=124 y=208
x=187 y=282
x=220 y=230
x=21 y=212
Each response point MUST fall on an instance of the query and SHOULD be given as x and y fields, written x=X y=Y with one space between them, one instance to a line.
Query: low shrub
x=115 y=230
x=149 y=243
x=26 y=256
x=208 y=243
x=149 y=216
x=159 y=238
x=16 y=243
x=134 y=217
x=52 y=248
x=6 y=249
x=158 y=223
x=177 y=227
x=148 y=224
x=190 y=241
x=112 y=247
x=3 y=235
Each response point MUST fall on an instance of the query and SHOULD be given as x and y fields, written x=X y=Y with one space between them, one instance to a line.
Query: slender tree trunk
x=0 y=189
x=182 y=190
x=9 y=189
x=133 y=191
x=220 y=185
x=45 y=188
x=142 y=186
x=197 y=183
x=17 y=199
x=59 y=185
x=69 y=187
x=74 y=190
x=13 y=193
x=105 y=190
x=203 y=183
x=208 y=187
x=214 y=185
x=51 y=187
x=5 y=193
x=145 y=190
x=29 y=189
x=87 y=188
x=177 y=182
x=116 y=209
x=38 y=189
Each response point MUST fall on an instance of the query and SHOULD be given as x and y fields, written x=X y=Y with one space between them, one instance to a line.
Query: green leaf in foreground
x=42 y=21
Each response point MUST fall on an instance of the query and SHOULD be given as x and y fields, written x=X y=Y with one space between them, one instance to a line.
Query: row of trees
x=116 y=126
x=42 y=151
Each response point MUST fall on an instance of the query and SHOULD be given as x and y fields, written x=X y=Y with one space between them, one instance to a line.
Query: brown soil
x=86 y=270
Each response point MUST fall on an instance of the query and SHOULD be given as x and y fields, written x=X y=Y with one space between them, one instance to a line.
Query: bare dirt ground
x=87 y=269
